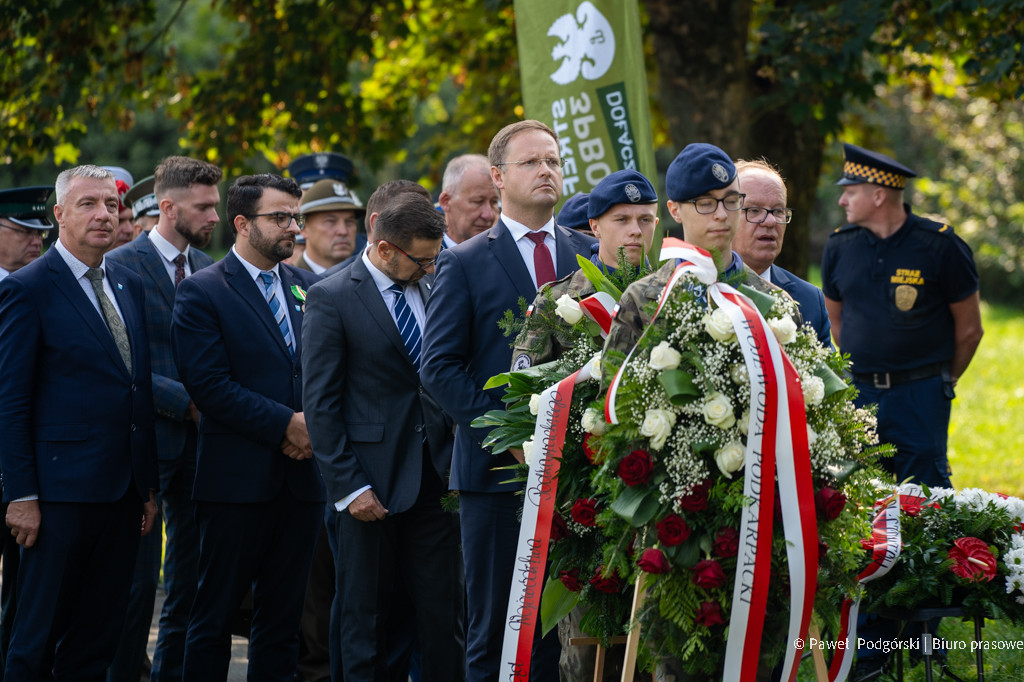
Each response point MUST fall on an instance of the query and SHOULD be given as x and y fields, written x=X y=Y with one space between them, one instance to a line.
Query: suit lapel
x=153 y=263
x=565 y=252
x=371 y=298
x=239 y=280
x=507 y=254
x=293 y=305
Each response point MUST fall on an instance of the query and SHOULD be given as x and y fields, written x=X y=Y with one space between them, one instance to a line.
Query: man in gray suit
x=384 y=446
x=187 y=195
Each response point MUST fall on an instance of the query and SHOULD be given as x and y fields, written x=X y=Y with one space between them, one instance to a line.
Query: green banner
x=582 y=69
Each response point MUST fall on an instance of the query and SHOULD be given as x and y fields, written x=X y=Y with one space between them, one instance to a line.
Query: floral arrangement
x=959 y=548
x=670 y=478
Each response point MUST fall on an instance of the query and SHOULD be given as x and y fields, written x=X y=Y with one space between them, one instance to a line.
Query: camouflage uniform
x=538 y=344
x=632 y=317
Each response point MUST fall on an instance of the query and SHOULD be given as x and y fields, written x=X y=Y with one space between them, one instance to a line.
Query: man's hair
x=384 y=194
x=181 y=172
x=408 y=217
x=765 y=166
x=499 y=145
x=84 y=171
x=457 y=167
x=245 y=193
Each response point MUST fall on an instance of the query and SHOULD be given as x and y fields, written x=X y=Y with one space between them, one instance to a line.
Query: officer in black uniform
x=902 y=295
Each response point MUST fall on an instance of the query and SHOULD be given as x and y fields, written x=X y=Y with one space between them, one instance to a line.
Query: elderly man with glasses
x=758 y=240
x=23 y=226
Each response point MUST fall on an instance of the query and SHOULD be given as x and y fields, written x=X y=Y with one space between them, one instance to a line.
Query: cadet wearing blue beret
x=574 y=213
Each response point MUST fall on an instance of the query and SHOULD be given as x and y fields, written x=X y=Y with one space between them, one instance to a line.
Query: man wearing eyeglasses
x=705 y=198
x=236 y=334
x=759 y=240
x=476 y=282
x=384 y=448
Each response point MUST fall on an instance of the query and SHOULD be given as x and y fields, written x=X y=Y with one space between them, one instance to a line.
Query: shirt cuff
x=27 y=498
x=342 y=504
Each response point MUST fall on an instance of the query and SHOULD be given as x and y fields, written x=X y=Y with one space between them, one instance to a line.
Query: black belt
x=890 y=379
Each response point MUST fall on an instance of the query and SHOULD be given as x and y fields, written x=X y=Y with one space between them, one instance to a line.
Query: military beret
x=330 y=195
x=620 y=187
x=309 y=168
x=697 y=170
x=123 y=180
x=574 y=212
x=142 y=199
x=26 y=206
x=863 y=165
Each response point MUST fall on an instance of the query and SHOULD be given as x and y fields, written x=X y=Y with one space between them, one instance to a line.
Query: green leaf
x=556 y=602
x=497 y=380
x=637 y=505
x=679 y=386
x=598 y=278
x=833 y=382
x=762 y=301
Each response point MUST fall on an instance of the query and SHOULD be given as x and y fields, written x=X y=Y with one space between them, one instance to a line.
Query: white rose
x=664 y=356
x=535 y=403
x=593 y=422
x=784 y=328
x=568 y=309
x=528 y=451
x=729 y=458
x=595 y=366
x=738 y=374
x=719 y=325
x=812 y=437
x=744 y=423
x=657 y=426
x=718 y=411
x=814 y=390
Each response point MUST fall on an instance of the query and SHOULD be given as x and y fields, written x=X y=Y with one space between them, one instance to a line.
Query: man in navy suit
x=476 y=282
x=385 y=453
x=237 y=344
x=187 y=196
x=76 y=427
x=759 y=241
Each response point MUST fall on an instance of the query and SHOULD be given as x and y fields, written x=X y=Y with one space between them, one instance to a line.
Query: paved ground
x=239 y=645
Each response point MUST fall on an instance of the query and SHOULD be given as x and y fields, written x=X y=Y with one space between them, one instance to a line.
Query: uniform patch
x=906 y=296
x=718 y=170
x=522 y=361
x=632 y=193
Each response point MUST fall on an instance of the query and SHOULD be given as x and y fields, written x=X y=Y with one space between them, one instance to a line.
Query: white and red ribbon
x=776 y=448
x=886 y=546
x=523 y=613
x=599 y=307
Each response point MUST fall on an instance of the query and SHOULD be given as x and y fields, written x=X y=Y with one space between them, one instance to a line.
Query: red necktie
x=543 y=267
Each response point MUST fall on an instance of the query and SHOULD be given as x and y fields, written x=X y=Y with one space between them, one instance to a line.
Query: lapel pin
x=298 y=308
x=120 y=286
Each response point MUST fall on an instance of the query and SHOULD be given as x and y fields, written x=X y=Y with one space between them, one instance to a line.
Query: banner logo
x=587 y=47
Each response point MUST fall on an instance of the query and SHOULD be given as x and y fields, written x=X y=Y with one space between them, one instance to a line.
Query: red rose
x=611 y=585
x=635 y=468
x=910 y=507
x=973 y=559
x=653 y=561
x=697 y=499
x=867 y=544
x=571 y=580
x=709 y=613
x=559 y=531
x=587 y=450
x=672 y=530
x=584 y=512
x=829 y=503
x=708 y=574
x=727 y=542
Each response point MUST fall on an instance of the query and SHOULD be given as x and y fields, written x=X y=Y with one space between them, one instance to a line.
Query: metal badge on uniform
x=632 y=193
x=906 y=296
x=719 y=172
x=521 y=362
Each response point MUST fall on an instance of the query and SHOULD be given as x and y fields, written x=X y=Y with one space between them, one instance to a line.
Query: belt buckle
x=884 y=376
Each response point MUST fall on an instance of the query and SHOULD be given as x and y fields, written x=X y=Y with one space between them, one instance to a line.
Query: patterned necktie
x=179 y=268
x=542 y=264
x=277 y=310
x=114 y=322
x=407 y=326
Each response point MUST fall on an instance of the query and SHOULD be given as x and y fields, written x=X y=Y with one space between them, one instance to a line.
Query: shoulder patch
x=521 y=362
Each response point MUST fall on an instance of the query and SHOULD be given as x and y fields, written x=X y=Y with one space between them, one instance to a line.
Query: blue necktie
x=407 y=326
x=277 y=310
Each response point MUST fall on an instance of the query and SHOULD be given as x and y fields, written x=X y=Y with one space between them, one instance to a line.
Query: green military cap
x=26 y=206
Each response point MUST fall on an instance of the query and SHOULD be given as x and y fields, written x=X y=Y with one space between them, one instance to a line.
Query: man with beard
x=236 y=337
x=187 y=197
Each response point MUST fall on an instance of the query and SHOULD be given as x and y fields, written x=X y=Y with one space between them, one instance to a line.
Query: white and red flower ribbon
x=523 y=615
x=776 y=448
x=885 y=550
x=599 y=307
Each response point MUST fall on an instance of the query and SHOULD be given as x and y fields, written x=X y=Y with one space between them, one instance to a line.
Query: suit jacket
x=367 y=419
x=170 y=399
x=475 y=283
x=234 y=363
x=75 y=425
x=810 y=299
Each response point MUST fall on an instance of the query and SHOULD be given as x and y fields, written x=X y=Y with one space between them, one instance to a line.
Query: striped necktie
x=407 y=326
x=277 y=310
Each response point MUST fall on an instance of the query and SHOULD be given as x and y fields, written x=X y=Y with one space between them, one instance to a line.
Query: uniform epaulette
x=935 y=226
x=845 y=229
